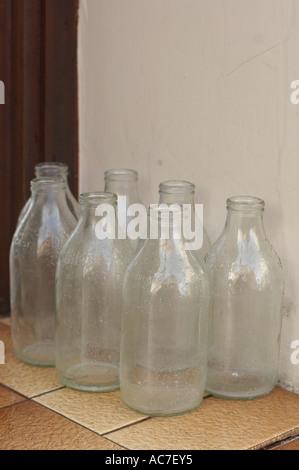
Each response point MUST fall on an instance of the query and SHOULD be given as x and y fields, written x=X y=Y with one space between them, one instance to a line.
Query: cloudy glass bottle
x=54 y=169
x=247 y=290
x=90 y=273
x=182 y=193
x=164 y=324
x=35 y=248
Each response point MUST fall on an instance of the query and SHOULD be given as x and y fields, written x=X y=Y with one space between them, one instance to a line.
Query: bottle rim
x=47 y=183
x=50 y=167
x=245 y=204
x=121 y=174
x=95 y=198
x=177 y=187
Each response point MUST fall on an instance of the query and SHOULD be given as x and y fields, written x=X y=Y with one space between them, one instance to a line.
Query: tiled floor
x=37 y=412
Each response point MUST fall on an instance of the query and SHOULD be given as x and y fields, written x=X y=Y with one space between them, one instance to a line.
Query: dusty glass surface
x=247 y=292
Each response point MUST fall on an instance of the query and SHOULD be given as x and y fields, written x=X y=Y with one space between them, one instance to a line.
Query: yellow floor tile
x=218 y=424
x=100 y=412
x=27 y=380
x=7 y=397
x=22 y=427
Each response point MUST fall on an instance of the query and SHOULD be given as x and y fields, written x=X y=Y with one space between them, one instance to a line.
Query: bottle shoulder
x=257 y=262
x=150 y=262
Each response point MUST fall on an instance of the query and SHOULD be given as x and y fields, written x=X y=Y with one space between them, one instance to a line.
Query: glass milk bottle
x=34 y=252
x=164 y=323
x=247 y=290
x=182 y=193
x=124 y=183
x=54 y=169
x=90 y=272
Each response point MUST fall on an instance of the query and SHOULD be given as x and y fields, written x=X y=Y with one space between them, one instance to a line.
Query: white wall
x=199 y=90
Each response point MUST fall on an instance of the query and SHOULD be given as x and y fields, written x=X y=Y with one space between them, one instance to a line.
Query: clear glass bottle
x=54 y=169
x=247 y=291
x=182 y=192
x=35 y=248
x=164 y=325
x=124 y=183
x=89 y=282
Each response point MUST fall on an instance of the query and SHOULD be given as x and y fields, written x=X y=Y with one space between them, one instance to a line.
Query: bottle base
x=238 y=387
x=40 y=354
x=91 y=377
x=162 y=414
x=158 y=401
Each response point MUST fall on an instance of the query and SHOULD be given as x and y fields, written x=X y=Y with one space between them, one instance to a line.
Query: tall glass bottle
x=89 y=282
x=164 y=325
x=124 y=183
x=35 y=248
x=182 y=192
x=54 y=169
x=247 y=294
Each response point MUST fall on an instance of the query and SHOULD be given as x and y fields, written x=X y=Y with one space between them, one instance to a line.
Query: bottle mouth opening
x=246 y=204
x=47 y=183
x=51 y=168
x=96 y=198
x=176 y=187
x=121 y=174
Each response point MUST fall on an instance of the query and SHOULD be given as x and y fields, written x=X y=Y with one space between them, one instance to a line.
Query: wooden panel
x=26 y=100
x=61 y=113
x=38 y=64
x=5 y=151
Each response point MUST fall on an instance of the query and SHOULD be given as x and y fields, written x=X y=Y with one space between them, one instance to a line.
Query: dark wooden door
x=39 y=120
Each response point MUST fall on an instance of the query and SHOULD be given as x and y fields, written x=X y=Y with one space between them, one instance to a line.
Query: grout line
x=14 y=391
x=282 y=442
x=76 y=422
x=14 y=404
x=46 y=393
x=113 y=442
x=128 y=425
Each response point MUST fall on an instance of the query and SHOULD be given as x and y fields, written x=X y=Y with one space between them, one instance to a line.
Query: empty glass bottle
x=89 y=282
x=247 y=290
x=164 y=324
x=54 y=169
x=35 y=248
x=124 y=183
x=182 y=193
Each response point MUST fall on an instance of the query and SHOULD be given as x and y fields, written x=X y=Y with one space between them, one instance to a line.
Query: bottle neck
x=245 y=216
x=166 y=228
x=47 y=190
x=177 y=192
x=94 y=207
x=244 y=224
x=123 y=188
x=123 y=182
x=50 y=169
